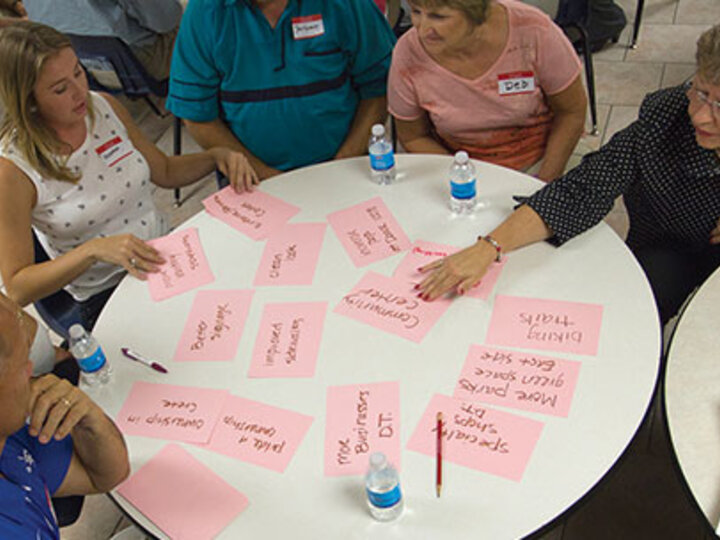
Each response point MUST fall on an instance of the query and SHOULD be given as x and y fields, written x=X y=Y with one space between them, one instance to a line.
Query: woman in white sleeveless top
x=76 y=169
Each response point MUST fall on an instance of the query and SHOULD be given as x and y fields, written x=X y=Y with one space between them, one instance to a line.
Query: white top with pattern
x=113 y=196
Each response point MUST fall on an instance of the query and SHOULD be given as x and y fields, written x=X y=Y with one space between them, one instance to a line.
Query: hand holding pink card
x=214 y=327
x=475 y=436
x=183 y=497
x=368 y=232
x=361 y=419
x=423 y=252
x=391 y=305
x=554 y=325
x=186 y=267
x=291 y=255
x=258 y=433
x=181 y=413
x=288 y=341
x=253 y=213
x=521 y=380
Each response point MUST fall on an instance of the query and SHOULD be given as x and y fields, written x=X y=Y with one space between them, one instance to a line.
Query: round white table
x=692 y=396
x=612 y=394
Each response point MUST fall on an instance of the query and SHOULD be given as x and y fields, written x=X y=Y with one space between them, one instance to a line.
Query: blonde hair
x=474 y=10
x=707 y=55
x=25 y=47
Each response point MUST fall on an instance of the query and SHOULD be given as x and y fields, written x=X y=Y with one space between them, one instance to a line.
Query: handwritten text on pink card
x=423 y=252
x=258 y=433
x=181 y=413
x=214 y=327
x=288 y=340
x=554 y=325
x=186 y=267
x=291 y=255
x=518 y=379
x=183 y=497
x=391 y=305
x=253 y=213
x=368 y=232
x=475 y=436
x=361 y=419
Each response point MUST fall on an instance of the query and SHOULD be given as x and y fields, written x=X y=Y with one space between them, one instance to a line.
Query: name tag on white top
x=306 y=27
x=114 y=151
x=517 y=82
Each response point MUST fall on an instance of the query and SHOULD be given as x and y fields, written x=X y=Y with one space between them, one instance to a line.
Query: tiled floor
x=642 y=497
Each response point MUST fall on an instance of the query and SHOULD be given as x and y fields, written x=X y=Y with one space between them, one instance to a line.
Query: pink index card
x=258 y=433
x=368 y=232
x=391 y=305
x=288 y=341
x=214 y=327
x=423 y=252
x=361 y=419
x=291 y=255
x=520 y=380
x=183 y=497
x=253 y=213
x=186 y=267
x=554 y=325
x=181 y=413
x=474 y=436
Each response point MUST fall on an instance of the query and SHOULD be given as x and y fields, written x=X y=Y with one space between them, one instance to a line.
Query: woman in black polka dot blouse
x=667 y=167
x=76 y=170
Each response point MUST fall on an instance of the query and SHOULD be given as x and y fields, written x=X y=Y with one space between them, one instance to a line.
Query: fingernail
x=417 y=286
x=43 y=439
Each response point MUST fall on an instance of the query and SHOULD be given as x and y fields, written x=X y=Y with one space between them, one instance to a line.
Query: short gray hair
x=707 y=55
x=474 y=10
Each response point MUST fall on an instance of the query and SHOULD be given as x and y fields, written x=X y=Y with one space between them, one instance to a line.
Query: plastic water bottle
x=462 y=184
x=382 y=485
x=90 y=357
x=382 y=156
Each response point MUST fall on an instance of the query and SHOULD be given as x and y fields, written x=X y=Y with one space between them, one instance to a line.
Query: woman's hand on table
x=137 y=257
x=458 y=272
x=236 y=168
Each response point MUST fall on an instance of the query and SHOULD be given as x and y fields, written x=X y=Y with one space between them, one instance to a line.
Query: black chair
x=112 y=67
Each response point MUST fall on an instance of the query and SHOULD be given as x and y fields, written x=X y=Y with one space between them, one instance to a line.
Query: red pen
x=132 y=355
x=438 y=455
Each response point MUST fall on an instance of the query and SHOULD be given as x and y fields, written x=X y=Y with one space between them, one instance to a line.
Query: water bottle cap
x=462 y=157
x=378 y=130
x=377 y=460
x=76 y=331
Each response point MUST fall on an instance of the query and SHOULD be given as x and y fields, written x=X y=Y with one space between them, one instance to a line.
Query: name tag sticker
x=113 y=151
x=307 y=27
x=517 y=82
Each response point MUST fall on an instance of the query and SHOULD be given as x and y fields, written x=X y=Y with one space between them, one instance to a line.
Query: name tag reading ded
x=307 y=27
x=517 y=82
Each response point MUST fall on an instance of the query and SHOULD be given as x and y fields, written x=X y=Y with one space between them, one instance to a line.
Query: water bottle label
x=93 y=362
x=385 y=499
x=465 y=190
x=382 y=162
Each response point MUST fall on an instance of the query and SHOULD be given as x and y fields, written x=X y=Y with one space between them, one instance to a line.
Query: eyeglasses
x=700 y=96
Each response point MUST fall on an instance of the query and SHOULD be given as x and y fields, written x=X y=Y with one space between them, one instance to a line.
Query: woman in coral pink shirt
x=496 y=78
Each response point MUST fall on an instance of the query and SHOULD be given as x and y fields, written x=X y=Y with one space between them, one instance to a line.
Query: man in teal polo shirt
x=288 y=82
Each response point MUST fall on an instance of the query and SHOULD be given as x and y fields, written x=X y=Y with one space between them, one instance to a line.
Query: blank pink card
x=214 y=327
x=368 y=232
x=361 y=419
x=519 y=380
x=253 y=213
x=288 y=341
x=183 y=497
x=554 y=325
x=423 y=252
x=291 y=255
x=474 y=436
x=258 y=433
x=391 y=305
x=163 y=411
x=186 y=267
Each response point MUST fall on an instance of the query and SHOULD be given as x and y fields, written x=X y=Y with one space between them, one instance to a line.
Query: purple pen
x=132 y=355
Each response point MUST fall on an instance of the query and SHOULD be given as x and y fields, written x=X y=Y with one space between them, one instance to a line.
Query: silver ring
x=133 y=262
x=67 y=402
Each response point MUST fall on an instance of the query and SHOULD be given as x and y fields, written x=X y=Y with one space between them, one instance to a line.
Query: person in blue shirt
x=67 y=447
x=287 y=82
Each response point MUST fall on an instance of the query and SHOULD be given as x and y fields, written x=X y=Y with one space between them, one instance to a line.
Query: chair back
x=112 y=67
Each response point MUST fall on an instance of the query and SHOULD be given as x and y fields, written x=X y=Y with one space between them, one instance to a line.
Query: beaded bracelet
x=490 y=240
